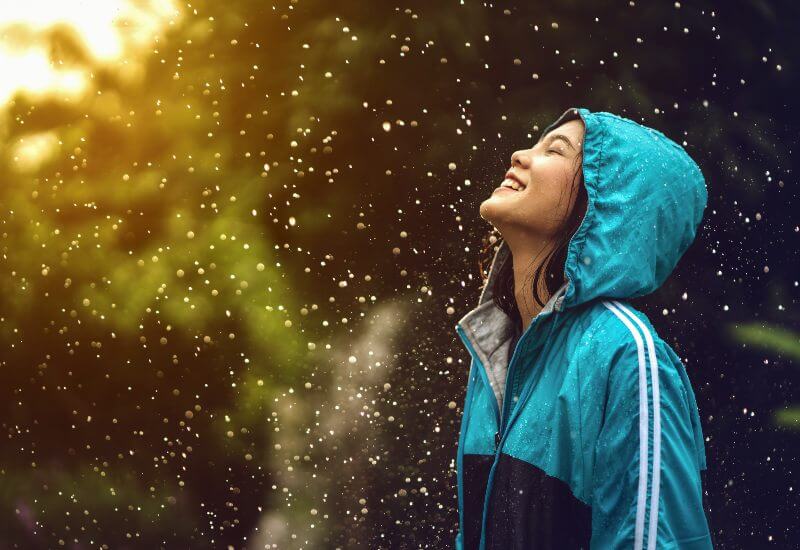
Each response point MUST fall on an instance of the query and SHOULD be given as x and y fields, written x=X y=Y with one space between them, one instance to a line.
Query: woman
x=580 y=427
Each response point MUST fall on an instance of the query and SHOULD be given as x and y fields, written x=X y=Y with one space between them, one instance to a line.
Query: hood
x=646 y=198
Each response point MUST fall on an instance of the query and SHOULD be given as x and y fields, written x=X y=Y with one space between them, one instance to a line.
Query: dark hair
x=552 y=268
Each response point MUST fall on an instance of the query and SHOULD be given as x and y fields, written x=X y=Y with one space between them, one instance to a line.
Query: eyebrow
x=553 y=137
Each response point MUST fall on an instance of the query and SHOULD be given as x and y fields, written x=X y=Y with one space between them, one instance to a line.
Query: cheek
x=547 y=202
x=543 y=196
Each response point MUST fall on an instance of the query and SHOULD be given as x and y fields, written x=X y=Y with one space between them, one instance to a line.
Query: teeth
x=508 y=182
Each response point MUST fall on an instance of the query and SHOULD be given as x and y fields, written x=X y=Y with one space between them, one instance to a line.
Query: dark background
x=131 y=420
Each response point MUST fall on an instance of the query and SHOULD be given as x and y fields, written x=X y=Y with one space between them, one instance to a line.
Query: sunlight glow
x=108 y=30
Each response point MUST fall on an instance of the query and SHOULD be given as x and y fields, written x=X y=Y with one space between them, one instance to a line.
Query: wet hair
x=551 y=268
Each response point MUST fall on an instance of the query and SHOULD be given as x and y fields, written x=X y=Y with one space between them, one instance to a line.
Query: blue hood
x=646 y=199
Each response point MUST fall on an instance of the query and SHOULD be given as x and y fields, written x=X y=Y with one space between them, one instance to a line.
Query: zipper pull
x=496 y=440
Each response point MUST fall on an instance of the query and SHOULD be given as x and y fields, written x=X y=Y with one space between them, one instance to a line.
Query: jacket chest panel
x=547 y=431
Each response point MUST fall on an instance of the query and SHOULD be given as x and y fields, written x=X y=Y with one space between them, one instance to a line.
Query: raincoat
x=589 y=435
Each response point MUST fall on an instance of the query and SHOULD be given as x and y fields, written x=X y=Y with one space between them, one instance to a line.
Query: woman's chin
x=494 y=208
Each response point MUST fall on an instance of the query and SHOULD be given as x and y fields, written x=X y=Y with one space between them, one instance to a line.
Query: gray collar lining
x=490 y=332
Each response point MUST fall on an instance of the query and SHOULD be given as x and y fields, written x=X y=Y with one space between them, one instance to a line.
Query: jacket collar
x=490 y=331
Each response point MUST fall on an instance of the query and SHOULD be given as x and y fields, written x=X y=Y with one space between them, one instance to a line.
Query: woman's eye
x=554 y=150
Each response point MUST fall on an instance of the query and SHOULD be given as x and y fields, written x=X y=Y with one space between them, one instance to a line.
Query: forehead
x=571 y=128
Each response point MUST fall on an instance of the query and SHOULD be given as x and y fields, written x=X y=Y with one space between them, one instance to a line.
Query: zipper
x=502 y=416
x=499 y=435
x=511 y=380
x=510 y=383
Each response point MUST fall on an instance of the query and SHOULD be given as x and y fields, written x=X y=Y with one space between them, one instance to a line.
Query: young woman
x=580 y=426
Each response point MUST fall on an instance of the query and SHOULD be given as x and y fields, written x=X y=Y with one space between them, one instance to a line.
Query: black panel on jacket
x=533 y=511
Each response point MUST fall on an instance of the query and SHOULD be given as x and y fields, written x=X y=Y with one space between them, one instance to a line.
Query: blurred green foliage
x=779 y=341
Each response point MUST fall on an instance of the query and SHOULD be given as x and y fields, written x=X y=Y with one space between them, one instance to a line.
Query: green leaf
x=768 y=337
x=788 y=417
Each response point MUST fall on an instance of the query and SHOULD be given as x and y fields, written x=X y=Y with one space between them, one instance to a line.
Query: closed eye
x=554 y=150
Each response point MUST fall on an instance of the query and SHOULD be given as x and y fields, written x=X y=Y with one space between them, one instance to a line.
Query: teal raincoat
x=589 y=436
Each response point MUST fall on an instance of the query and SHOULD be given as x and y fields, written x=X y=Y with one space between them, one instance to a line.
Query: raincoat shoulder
x=642 y=441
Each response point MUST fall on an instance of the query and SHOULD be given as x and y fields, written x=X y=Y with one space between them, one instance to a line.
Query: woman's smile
x=509 y=184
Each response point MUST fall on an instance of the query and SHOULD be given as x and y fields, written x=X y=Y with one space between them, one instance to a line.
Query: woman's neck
x=526 y=260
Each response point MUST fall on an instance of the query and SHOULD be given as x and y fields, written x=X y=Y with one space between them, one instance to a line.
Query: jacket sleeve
x=646 y=490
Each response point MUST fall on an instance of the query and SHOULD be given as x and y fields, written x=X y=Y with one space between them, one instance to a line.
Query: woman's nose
x=520 y=158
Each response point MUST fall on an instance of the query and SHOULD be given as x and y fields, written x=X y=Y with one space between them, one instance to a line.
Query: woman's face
x=547 y=171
